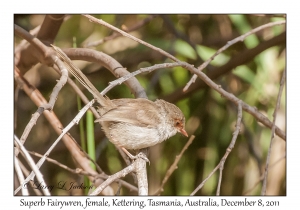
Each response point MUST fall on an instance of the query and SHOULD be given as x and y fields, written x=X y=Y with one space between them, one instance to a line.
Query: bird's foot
x=140 y=155
x=143 y=156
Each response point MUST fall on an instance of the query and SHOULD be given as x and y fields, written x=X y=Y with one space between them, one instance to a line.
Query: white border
x=154 y=6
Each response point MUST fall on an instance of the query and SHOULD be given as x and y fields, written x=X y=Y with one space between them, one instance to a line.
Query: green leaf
x=184 y=49
x=244 y=73
x=243 y=27
x=206 y=52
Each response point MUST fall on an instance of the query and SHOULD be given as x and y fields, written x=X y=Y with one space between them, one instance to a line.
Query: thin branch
x=101 y=22
x=79 y=93
x=24 y=43
x=232 y=143
x=35 y=42
x=112 y=178
x=109 y=63
x=173 y=167
x=180 y=35
x=32 y=184
x=115 y=35
x=230 y=43
x=228 y=150
x=264 y=187
x=46 y=35
x=47 y=106
x=20 y=175
x=74 y=171
x=31 y=163
x=142 y=70
x=86 y=154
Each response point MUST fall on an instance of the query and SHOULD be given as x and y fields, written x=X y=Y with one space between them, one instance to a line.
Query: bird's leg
x=140 y=155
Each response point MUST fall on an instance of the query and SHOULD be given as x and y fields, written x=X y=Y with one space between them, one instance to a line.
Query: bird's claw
x=142 y=156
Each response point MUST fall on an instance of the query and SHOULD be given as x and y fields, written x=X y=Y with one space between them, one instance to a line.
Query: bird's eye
x=177 y=124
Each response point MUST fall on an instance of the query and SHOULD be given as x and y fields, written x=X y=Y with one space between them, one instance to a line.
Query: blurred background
x=251 y=70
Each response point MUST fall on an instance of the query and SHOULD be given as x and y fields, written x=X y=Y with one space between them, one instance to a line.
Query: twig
x=109 y=63
x=142 y=70
x=79 y=93
x=115 y=35
x=173 y=167
x=228 y=150
x=49 y=105
x=75 y=171
x=264 y=187
x=35 y=169
x=16 y=96
x=86 y=154
x=230 y=43
x=20 y=175
x=112 y=178
x=252 y=110
x=101 y=22
x=23 y=44
x=32 y=184
x=35 y=42
x=47 y=33
x=180 y=35
x=232 y=143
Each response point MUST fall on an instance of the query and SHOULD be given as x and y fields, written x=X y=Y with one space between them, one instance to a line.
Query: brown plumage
x=141 y=123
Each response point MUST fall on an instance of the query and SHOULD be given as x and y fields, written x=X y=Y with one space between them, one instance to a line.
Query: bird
x=131 y=123
x=140 y=123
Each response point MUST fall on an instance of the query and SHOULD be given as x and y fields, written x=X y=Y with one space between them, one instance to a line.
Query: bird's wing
x=140 y=112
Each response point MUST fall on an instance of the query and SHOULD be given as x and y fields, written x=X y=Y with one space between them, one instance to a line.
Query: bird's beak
x=181 y=130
